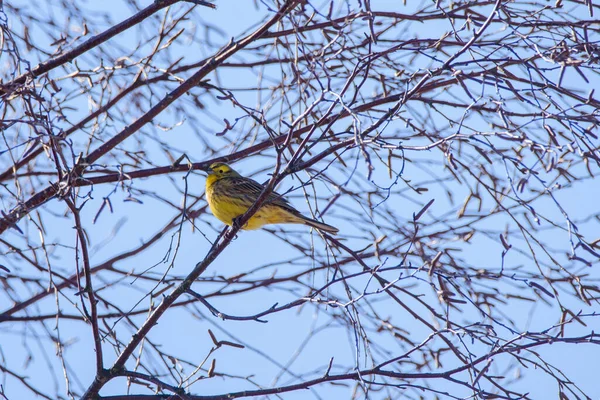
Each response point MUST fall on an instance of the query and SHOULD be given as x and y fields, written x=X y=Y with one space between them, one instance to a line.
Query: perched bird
x=230 y=195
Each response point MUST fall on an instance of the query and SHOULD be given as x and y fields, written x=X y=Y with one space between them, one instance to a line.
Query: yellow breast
x=222 y=206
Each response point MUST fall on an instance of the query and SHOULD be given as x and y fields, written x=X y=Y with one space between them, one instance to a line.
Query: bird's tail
x=320 y=225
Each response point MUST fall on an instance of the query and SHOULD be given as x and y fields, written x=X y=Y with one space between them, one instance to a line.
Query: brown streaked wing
x=253 y=189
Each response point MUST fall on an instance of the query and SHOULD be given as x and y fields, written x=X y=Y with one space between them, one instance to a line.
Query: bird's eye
x=220 y=171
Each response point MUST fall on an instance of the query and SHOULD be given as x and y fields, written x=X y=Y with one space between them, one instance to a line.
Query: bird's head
x=221 y=170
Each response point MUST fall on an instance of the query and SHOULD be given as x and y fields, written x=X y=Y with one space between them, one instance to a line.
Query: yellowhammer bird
x=230 y=195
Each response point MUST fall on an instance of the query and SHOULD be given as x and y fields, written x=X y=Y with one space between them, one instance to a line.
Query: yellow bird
x=230 y=195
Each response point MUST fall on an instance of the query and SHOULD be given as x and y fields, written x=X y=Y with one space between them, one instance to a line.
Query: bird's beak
x=205 y=169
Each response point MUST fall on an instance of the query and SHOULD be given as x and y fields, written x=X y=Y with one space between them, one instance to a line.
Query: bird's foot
x=236 y=223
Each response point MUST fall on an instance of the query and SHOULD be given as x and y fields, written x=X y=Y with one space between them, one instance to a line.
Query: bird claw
x=236 y=223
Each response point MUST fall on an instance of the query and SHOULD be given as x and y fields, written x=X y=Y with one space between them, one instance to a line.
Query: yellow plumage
x=230 y=195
